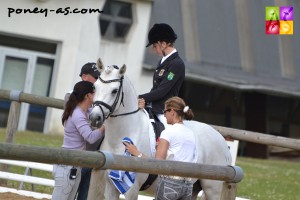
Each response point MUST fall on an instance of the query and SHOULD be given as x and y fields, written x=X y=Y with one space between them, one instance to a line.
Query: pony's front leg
x=111 y=192
x=133 y=192
x=97 y=185
x=212 y=189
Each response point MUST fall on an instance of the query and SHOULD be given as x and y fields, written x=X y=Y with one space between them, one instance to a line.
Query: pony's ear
x=100 y=65
x=123 y=69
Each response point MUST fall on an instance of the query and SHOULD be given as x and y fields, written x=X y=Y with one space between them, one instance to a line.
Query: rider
x=170 y=72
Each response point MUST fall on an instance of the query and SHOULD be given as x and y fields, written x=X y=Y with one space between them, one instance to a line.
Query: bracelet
x=140 y=155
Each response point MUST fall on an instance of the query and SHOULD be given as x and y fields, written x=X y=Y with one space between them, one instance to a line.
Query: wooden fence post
x=228 y=191
x=13 y=121
x=12 y=124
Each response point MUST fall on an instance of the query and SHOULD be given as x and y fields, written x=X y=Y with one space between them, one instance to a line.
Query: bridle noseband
x=114 y=105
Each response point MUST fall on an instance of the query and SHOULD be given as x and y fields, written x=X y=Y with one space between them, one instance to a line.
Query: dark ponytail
x=77 y=96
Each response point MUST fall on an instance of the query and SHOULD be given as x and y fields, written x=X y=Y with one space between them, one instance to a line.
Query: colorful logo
x=279 y=20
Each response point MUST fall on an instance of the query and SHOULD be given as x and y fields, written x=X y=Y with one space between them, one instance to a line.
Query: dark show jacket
x=167 y=80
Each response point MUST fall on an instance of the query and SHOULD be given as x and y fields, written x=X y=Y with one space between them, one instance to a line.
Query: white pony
x=116 y=103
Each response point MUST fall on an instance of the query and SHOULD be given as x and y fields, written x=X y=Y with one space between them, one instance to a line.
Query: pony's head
x=108 y=92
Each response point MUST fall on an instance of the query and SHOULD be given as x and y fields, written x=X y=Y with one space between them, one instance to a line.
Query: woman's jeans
x=173 y=189
x=65 y=187
x=84 y=185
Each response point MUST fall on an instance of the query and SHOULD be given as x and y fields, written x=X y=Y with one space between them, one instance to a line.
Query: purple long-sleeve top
x=78 y=131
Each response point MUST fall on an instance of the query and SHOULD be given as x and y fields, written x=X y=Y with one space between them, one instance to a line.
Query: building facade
x=236 y=75
x=44 y=43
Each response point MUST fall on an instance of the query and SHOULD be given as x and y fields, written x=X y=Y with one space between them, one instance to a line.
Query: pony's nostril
x=99 y=118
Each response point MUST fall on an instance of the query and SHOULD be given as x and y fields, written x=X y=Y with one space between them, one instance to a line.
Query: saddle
x=158 y=128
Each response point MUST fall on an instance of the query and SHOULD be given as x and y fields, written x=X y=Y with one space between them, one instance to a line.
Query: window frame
x=113 y=19
x=32 y=57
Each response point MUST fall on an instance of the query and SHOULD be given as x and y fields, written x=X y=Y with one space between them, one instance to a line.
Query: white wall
x=79 y=42
x=77 y=34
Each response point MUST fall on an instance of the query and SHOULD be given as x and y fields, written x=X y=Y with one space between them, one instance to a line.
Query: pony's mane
x=129 y=85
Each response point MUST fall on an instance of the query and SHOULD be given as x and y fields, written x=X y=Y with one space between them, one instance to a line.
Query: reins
x=129 y=113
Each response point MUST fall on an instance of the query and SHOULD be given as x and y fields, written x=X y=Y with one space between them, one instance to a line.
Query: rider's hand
x=141 y=103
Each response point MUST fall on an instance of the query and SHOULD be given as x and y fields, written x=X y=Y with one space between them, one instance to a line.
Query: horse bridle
x=113 y=107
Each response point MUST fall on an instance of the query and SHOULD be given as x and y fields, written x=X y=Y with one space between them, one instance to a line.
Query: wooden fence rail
x=243 y=135
x=260 y=138
x=15 y=95
x=106 y=160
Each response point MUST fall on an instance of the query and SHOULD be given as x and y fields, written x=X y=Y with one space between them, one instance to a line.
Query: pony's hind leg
x=111 y=193
x=97 y=185
x=133 y=192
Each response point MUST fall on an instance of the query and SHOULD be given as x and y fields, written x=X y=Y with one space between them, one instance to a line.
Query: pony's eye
x=114 y=91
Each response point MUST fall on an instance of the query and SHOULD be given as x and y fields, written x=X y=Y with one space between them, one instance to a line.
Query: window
x=27 y=65
x=116 y=20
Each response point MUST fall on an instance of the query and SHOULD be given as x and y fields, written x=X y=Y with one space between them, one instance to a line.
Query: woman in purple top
x=77 y=132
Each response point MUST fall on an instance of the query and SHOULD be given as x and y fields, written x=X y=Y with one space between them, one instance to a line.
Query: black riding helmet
x=161 y=32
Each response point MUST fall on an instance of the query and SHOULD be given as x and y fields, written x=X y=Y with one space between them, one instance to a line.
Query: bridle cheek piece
x=113 y=107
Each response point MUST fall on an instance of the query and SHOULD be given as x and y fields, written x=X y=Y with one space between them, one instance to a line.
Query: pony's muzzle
x=96 y=123
x=96 y=119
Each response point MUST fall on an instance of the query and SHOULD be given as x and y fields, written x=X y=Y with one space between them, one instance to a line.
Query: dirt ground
x=12 y=196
